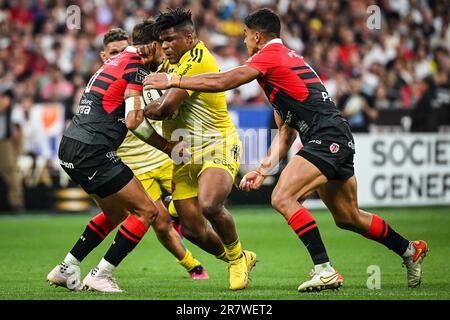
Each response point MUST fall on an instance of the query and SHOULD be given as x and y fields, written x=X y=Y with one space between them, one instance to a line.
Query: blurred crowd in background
x=404 y=64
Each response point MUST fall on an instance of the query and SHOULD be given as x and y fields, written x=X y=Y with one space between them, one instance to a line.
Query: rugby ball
x=151 y=95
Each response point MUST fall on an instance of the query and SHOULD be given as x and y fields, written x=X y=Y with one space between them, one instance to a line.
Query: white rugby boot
x=67 y=276
x=321 y=280
x=413 y=263
x=101 y=283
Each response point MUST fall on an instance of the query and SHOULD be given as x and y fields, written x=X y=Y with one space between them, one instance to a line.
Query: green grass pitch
x=31 y=245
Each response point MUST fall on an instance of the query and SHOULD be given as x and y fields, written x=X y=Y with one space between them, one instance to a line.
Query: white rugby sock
x=104 y=268
x=71 y=260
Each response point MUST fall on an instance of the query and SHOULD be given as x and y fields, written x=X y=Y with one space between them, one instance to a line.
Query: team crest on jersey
x=334 y=148
x=140 y=75
x=236 y=152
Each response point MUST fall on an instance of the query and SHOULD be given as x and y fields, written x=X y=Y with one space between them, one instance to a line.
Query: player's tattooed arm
x=166 y=105
x=206 y=82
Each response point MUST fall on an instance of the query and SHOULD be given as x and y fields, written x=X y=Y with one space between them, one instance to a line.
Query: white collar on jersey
x=276 y=40
x=131 y=49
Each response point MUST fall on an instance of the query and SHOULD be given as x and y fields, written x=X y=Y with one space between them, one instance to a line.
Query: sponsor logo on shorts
x=68 y=165
x=112 y=156
x=315 y=141
x=351 y=145
x=92 y=177
x=334 y=147
x=224 y=163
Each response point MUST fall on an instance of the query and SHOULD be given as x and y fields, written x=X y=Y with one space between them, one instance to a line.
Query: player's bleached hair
x=115 y=34
x=265 y=21
x=144 y=32
x=175 y=18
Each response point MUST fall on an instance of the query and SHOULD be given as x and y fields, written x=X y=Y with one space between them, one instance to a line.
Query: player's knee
x=162 y=224
x=279 y=201
x=147 y=213
x=211 y=210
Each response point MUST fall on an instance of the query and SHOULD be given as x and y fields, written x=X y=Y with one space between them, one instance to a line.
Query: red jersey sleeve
x=134 y=73
x=262 y=61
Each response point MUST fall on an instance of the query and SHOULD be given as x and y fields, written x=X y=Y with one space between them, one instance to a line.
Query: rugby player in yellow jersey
x=151 y=166
x=201 y=186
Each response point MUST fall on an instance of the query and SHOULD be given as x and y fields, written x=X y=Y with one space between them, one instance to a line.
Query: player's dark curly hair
x=115 y=34
x=265 y=21
x=175 y=18
x=144 y=32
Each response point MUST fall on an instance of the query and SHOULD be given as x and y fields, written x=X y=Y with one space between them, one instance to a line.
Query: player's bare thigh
x=297 y=181
x=214 y=186
x=130 y=199
x=340 y=197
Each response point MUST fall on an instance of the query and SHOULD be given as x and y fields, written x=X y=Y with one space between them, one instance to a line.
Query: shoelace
x=112 y=282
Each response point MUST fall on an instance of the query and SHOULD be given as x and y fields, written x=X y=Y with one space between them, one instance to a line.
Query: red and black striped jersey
x=100 y=118
x=296 y=92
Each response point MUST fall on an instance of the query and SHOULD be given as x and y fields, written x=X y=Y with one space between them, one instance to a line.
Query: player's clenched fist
x=251 y=181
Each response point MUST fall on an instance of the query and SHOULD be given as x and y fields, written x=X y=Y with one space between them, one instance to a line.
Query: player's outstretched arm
x=206 y=82
x=278 y=151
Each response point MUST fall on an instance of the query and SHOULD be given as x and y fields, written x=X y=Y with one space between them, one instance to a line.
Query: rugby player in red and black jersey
x=324 y=164
x=110 y=105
